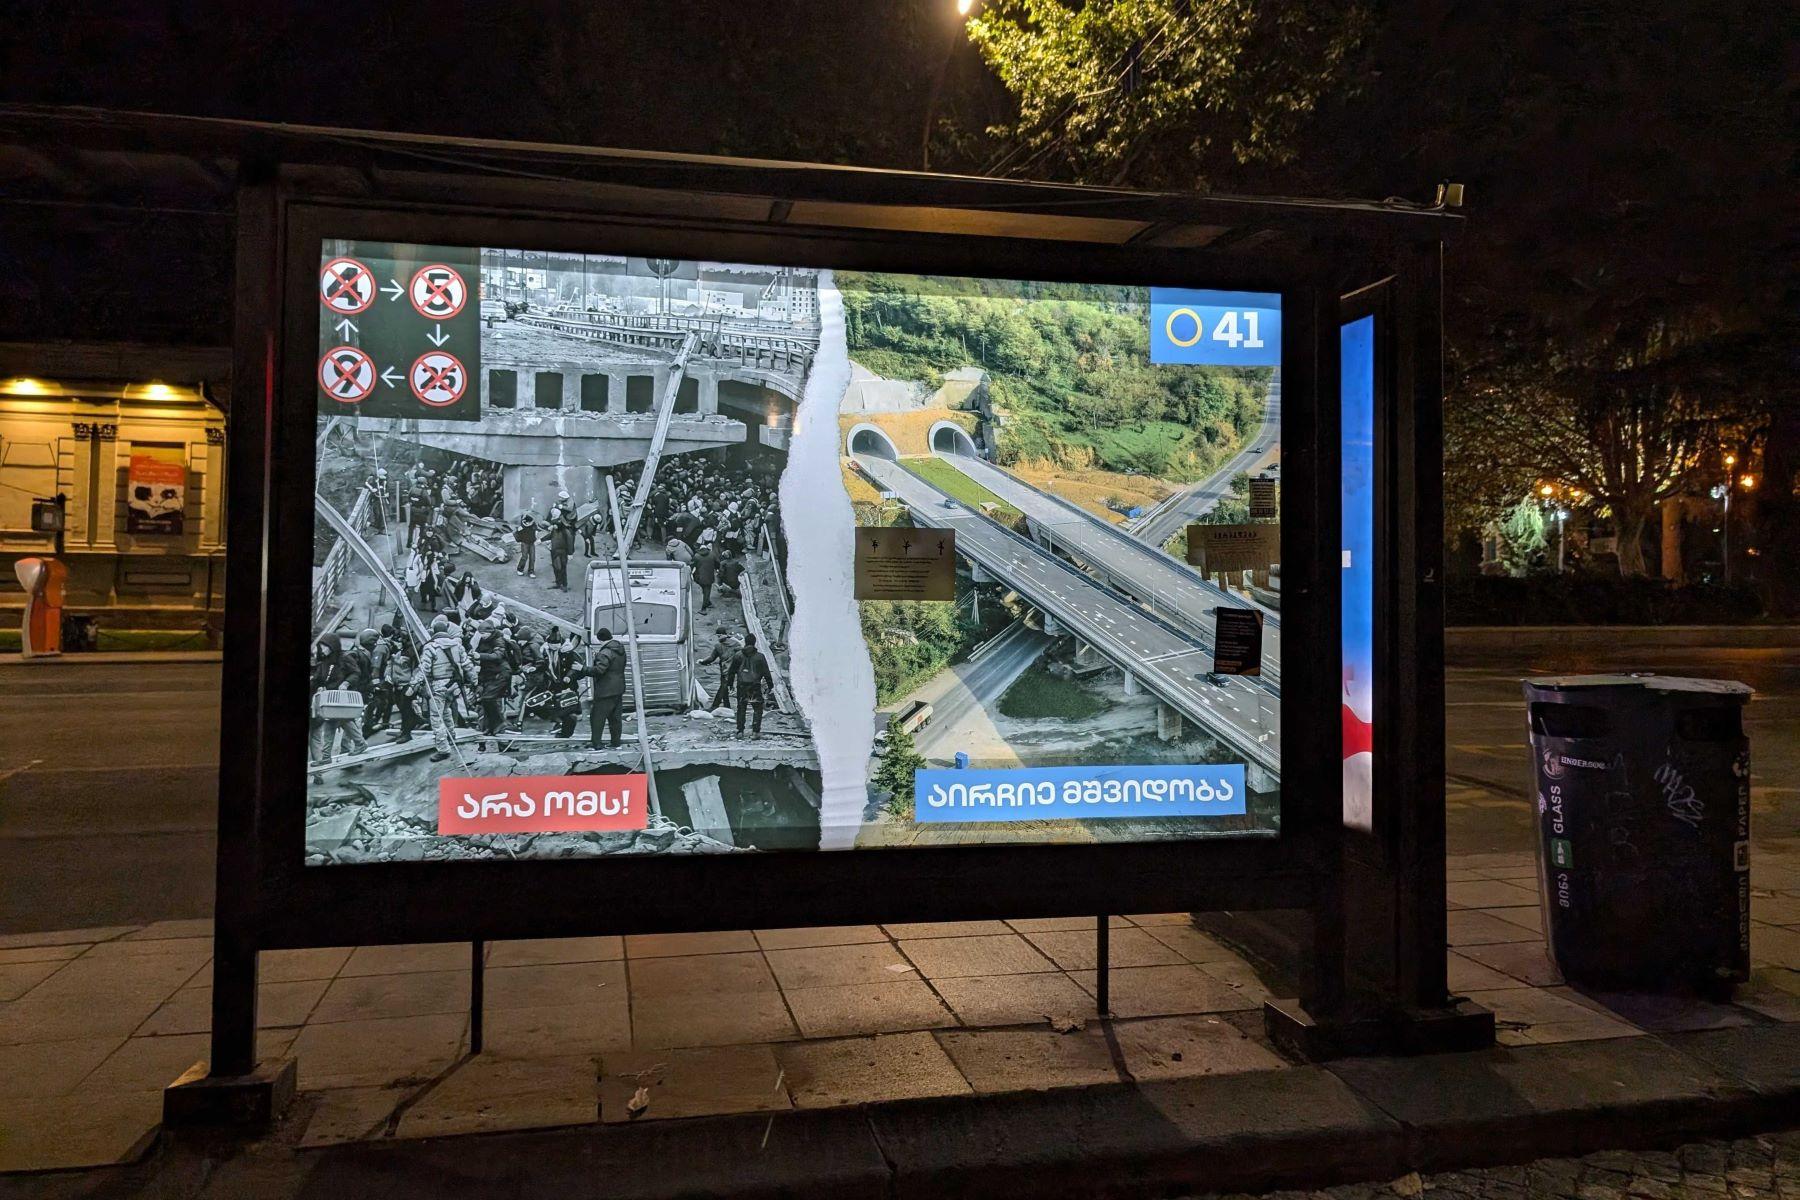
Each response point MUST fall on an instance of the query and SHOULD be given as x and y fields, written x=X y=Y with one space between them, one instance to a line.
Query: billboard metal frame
x=268 y=899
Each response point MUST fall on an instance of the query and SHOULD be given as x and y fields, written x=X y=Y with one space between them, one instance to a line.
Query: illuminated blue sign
x=1225 y=329
x=1078 y=793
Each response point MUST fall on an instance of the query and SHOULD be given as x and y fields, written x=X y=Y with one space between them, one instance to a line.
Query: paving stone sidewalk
x=94 y=1022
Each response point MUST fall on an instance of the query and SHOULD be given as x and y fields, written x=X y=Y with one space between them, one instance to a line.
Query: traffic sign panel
x=345 y=286
x=438 y=292
x=438 y=379
x=346 y=374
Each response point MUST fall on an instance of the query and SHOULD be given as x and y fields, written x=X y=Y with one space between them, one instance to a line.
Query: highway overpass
x=1136 y=568
x=1154 y=654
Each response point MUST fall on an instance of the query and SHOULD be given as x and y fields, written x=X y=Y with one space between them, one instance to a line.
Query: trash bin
x=1643 y=800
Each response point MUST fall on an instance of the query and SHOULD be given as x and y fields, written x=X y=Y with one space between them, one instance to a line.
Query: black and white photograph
x=586 y=579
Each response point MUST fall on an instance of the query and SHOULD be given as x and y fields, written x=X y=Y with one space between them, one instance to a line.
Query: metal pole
x=631 y=647
x=1725 y=530
x=477 y=990
x=234 y=1001
x=1103 y=965
x=1561 y=540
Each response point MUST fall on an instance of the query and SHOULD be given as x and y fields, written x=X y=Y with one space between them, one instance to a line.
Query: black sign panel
x=399 y=331
x=1237 y=641
x=1262 y=498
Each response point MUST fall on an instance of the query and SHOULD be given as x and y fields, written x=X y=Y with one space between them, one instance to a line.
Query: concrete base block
x=1460 y=1025
x=247 y=1102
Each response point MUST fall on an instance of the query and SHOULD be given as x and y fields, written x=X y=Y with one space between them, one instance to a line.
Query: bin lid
x=1656 y=683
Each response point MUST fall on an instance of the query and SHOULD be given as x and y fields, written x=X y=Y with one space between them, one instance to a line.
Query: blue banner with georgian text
x=1078 y=793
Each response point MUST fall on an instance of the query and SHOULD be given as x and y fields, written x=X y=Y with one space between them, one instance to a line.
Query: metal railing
x=331 y=573
x=743 y=345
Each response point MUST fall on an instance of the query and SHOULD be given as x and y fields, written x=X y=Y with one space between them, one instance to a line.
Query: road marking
x=9 y=772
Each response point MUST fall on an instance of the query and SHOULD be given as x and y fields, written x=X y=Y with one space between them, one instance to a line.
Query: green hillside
x=1068 y=366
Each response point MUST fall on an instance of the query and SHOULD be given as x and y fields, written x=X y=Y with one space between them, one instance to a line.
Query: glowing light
x=1747 y=482
x=1546 y=490
x=963 y=7
x=27 y=387
x=1731 y=460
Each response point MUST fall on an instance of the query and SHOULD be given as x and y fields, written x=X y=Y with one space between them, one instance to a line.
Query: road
x=1242 y=714
x=1191 y=503
x=108 y=792
x=108 y=772
x=966 y=693
x=1132 y=566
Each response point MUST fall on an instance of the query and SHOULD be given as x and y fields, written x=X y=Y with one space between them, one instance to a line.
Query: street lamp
x=1562 y=514
x=963 y=8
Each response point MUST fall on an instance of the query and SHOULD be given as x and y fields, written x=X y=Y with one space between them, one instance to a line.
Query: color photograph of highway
x=1069 y=468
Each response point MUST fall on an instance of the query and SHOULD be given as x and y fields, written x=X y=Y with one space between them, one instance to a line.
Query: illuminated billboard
x=1356 y=343
x=588 y=578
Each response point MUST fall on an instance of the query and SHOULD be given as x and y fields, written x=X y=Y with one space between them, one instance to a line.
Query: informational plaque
x=1262 y=498
x=1221 y=548
x=903 y=563
x=1237 y=641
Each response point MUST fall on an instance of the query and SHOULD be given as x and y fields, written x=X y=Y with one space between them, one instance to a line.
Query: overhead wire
x=1136 y=51
x=998 y=164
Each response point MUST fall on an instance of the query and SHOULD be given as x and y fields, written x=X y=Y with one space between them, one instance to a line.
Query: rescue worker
x=377 y=510
x=562 y=539
x=332 y=672
x=753 y=679
x=706 y=569
x=402 y=689
x=607 y=667
x=444 y=668
x=527 y=535
x=378 y=704
x=494 y=675
x=724 y=652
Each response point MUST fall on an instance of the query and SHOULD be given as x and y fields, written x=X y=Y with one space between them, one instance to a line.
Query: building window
x=594 y=390
x=503 y=389
x=547 y=389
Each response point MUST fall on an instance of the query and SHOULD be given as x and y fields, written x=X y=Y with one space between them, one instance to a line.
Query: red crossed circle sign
x=437 y=292
x=345 y=286
x=437 y=378
x=347 y=374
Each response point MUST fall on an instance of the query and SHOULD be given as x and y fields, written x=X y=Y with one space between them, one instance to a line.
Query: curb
x=91 y=657
x=1357 y=1120
x=1467 y=639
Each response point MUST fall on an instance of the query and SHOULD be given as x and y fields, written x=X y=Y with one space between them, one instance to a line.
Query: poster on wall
x=155 y=489
x=586 y=584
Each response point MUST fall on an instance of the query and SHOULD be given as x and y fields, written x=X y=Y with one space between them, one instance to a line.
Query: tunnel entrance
x=868 y=439
x=950 y=438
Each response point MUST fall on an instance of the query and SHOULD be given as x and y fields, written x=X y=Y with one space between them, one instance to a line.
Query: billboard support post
x=1103 y=965
x=477 y=993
